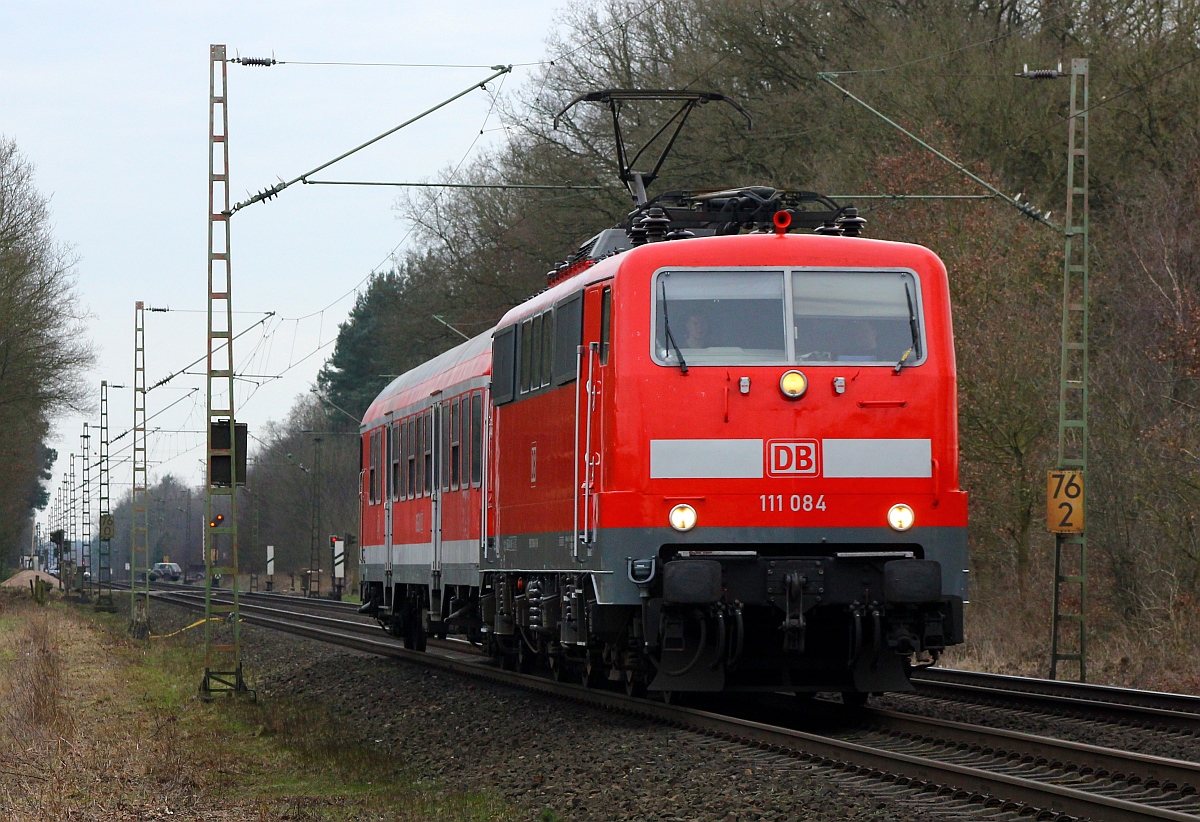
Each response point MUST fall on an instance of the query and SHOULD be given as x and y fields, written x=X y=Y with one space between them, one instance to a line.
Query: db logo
x=793 y=458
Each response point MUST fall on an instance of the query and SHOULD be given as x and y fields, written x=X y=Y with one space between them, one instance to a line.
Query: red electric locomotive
x=695 y=463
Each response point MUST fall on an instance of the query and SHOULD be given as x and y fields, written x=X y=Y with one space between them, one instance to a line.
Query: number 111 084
x=779 y=502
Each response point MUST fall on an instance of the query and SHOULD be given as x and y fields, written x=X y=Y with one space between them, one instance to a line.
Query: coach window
x=410 y=453
x=380 y=475
x=476 y=439
x=444 y=437
x=526 y=354
x=429 y=451
x=605 y=325
x=374 y=467
x=455 y=448
x=402 y=459
x=419 y=451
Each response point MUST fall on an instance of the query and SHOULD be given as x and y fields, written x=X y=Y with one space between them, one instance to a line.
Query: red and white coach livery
x=700 y=461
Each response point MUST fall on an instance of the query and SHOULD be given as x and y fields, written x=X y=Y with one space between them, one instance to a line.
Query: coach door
x=390 y=475
x=436 y=432
x=592 y=370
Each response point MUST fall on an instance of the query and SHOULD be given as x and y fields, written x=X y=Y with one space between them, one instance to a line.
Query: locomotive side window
x=605 y=324
x=526 y=354
x=535 y=355
x=503 y=364
x=568 y=334
x=855 y=316
x=476 y=439
x=720 y=317
x=547 y=347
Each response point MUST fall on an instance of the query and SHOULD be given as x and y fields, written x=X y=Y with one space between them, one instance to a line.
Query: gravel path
x=560 y=760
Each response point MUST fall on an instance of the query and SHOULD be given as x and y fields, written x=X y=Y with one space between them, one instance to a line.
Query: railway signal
x=226 y=438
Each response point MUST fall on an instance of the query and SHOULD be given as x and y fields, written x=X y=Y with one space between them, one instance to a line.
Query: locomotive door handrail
x=575 y=535
x=485 y=421
x=590 y=460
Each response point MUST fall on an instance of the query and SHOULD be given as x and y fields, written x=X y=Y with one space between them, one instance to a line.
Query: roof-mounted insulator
x=656 y=222
x=256 y=61
x=830 y=229
x=1040 y=74
x=637 y=232
x=851 y=223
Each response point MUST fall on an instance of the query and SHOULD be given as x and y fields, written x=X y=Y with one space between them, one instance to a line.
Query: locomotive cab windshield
x=742 y=317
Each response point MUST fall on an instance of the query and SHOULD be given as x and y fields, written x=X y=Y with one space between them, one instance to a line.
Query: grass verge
x=97 y=726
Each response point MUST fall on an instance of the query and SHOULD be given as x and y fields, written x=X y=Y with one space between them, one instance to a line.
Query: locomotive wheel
x=854 y=699
x=559 y=668
x=526 y=658
x=591 y=673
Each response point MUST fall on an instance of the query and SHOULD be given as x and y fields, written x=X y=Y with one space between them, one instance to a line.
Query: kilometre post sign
x=1064 y=502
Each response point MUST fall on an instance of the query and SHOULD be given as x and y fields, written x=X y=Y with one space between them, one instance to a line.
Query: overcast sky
x=110 y=102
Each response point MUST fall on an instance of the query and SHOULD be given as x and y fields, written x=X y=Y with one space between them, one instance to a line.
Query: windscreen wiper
x=916 y=334
x=683 y=369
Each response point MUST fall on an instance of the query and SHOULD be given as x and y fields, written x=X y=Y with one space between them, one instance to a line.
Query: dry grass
x=96 y=726
x=1157 y=651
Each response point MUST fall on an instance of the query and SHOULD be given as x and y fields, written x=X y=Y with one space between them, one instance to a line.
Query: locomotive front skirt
x=719 y=463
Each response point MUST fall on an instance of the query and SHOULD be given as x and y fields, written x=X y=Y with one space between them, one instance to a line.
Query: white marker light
x=901 y=517
x=682 y=517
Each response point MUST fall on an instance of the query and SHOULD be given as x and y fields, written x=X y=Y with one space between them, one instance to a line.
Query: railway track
x=998 y=769
x=1123 y=706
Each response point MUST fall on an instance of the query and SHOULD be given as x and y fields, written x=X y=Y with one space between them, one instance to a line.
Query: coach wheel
x=669 y=697
x=635 y=683
x=854 y=699
x=559 y=668
x=415 y=638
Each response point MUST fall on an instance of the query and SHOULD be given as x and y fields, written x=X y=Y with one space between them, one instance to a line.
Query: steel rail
x=894 y=766
x=1161 y=700
x=1172 y=774
x=1094 y=702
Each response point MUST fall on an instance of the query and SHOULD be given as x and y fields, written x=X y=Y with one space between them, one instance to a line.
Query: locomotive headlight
x=793 y=384
x=682 y=517
x=901 y=517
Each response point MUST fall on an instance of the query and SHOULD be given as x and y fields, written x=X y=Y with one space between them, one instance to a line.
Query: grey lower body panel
x=606 y=558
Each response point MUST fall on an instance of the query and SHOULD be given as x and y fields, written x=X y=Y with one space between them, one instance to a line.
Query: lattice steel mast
x=1070 y=549
x=86 y=549
x=102 y=573
x=222 y=645
x=139 y=549
x=72 y=527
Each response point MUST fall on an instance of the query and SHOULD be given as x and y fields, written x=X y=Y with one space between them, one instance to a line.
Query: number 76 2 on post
x=1064 y=502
